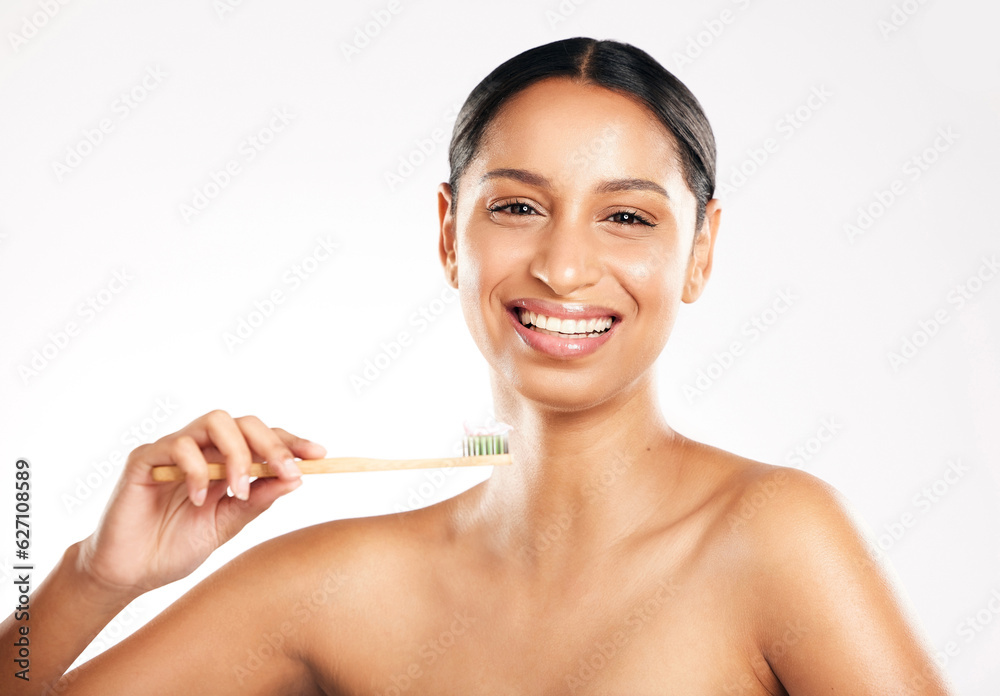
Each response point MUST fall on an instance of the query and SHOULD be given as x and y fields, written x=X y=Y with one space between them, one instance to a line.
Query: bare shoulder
x=352 y=558
x=830 y=613
x=782 y=504
x=347 y=587
x=794 y=529
x=354 y=544
x=759 y=500
x=273 y=618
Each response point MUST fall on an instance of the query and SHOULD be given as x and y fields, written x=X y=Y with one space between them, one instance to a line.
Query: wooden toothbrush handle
x=217 y=472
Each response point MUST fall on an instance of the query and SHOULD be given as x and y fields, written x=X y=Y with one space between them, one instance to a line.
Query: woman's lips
x=562 y=345
x=573 y=310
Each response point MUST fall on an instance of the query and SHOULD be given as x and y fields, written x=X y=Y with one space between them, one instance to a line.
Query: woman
x=613 y=556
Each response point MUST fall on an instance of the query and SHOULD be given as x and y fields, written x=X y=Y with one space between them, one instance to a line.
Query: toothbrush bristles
x=474 y=445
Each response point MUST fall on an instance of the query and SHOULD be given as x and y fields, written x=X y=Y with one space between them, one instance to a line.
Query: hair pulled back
x=614 y=65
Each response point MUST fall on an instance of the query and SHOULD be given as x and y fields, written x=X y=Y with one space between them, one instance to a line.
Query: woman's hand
x=153 y=533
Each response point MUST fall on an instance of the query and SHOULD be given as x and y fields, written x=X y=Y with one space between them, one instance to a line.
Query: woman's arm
x=233 y=633
x=838 y=622
x=150 y=534
x=67 y=611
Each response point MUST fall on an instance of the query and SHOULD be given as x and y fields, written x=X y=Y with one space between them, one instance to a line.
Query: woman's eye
x=516 y=208
x=630 y=218
x=626 y=218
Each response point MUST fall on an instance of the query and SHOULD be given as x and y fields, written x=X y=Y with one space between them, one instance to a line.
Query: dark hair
x=614 y=65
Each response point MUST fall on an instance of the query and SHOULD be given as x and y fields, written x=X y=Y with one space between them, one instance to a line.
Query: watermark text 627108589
x=22 y=571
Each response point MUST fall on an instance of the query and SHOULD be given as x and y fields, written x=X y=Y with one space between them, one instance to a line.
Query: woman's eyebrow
x=614 y=185
x=610 y=186
x=522 y=175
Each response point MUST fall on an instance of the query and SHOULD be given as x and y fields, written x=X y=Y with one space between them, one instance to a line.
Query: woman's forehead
x=566 y=130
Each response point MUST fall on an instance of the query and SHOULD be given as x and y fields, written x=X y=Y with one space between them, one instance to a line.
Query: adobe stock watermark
x=272 y=642
x=293 y=278
x=57 y=342
x=247 y=152
x=428 y=653
x=562 y=12
x=32 y=24
x=960 y=295
x=787 y=125
x=592 y=150
x=365 y=34
x=712 y=30
x=433 y=480
x=110 y=635
x=748 y=683
x=224 y=8
x=758 y=496
x=913 y=168
x=119 y=110
x=969 y=628
x=751 y=332
x=420 y=495
x=806 y=451
x=976 y=623
x=229 y=511
x=899 y=15
x=920 y=504
x=597 y=486
x=390 y=351
x=114 y=632
x=144 y=430
x=606 y=649
x=422 y=148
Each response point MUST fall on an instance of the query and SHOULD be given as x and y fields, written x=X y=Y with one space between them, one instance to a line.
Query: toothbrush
x=477 y=450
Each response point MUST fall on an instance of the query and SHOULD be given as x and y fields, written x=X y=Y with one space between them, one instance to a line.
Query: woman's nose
x=567 y=258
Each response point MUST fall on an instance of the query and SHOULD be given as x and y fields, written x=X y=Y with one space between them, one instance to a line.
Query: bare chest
x=681 y=633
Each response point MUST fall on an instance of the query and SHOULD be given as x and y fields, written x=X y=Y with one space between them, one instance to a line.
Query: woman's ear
x=700 y=264
x=446 y=245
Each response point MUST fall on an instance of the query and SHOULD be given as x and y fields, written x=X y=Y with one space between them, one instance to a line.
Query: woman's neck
x=580 y=480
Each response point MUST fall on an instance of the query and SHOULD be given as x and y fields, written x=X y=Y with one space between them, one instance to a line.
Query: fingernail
x=199 y=496
x=292 y=468
x=243 y=488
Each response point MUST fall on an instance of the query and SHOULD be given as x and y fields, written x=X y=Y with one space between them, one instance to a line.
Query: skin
x=614 y=555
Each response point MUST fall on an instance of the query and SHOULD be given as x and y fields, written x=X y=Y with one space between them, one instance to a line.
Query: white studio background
x=857 y=149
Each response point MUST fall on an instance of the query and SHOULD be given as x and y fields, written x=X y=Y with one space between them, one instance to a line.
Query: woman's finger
x=267 y=443
x=217 y=437
x=300 y=446
x=217 y=428
x=184 y=452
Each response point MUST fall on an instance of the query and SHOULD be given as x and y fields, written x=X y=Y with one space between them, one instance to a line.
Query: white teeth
x=564 y=326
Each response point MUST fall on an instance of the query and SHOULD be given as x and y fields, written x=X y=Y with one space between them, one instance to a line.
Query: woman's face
x=575 y=208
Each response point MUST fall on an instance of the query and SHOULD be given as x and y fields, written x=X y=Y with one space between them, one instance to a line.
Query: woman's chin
x=563 y=391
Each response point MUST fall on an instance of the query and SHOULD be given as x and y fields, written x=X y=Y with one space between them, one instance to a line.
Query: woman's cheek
x=639 y=271
x=469 y=284
x=655 y=279
x=652 y=263
x=475 y=283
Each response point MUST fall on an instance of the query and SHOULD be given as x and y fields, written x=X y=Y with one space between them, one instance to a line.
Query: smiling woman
x=614 y=555
x=616 y=240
